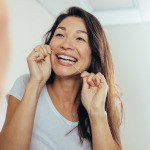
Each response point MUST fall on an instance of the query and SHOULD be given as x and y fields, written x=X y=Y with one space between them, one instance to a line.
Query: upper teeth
x=67 y=57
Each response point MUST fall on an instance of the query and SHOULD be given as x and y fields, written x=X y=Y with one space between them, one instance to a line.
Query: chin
x=65 y=72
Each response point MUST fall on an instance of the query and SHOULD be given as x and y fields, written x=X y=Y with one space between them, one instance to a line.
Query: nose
x=67 y=44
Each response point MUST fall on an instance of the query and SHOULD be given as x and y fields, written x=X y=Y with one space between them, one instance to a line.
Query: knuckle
x=37 y=47
x=88 y=80
x=99 y=73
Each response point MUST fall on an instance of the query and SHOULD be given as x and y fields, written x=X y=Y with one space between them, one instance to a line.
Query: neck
x=66 y=90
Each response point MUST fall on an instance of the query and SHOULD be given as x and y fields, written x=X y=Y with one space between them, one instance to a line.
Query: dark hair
x=101 y=62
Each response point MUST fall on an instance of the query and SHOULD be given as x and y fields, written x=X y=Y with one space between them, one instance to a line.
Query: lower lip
x=63 y=63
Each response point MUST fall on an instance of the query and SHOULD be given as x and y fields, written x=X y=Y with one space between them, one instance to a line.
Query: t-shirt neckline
x=57 y=112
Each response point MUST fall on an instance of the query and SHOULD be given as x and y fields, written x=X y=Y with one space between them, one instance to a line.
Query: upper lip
x=61 y=53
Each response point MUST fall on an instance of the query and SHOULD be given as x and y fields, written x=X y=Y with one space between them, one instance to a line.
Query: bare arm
x=16 y=133
x=93 y=96
x=101 y=134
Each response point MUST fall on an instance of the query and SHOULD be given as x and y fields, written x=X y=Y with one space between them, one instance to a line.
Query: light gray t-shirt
x=50 y=127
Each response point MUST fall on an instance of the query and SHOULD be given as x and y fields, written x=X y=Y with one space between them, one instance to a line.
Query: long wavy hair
x=101 y=62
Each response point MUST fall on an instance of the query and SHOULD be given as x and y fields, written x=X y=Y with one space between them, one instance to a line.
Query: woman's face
x=70 y=43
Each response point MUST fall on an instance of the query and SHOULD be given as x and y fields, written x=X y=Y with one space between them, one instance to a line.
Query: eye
x=59 y=35
x=81 y=39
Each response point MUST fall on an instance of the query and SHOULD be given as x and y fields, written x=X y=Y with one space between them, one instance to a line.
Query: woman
x=69 y=100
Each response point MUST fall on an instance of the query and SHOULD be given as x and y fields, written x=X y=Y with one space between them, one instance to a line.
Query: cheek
x=86 y=55
x=52 y=44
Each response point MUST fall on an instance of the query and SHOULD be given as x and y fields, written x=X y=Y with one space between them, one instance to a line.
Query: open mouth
x=66 y=59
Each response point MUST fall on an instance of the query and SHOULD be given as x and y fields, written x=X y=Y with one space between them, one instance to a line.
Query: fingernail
x=49 y=51
x=82 y=75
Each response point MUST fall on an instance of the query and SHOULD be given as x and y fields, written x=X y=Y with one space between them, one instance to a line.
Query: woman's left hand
x=94 y=92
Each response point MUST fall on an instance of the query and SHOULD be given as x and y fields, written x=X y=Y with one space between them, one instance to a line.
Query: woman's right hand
x=39 y=64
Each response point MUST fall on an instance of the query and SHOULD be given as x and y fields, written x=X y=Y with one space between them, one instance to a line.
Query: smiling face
x=70 y=46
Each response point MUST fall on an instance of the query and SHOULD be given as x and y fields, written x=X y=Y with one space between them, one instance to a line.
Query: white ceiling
x=110 y=4
x=109 y=12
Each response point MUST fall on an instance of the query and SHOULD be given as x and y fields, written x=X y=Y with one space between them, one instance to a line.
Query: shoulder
x=117 y=102
x=119 y=108
x=23 y=79
x=21 y=82
x=19 y=86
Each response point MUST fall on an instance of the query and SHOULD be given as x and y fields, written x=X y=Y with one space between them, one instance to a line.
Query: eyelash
x=81 y=39
x=60 y=35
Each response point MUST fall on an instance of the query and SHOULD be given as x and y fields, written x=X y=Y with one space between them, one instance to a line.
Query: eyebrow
x=78 y=31
x=63 y=28
x=81 y=31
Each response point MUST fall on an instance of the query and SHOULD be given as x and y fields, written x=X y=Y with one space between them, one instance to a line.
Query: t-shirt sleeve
x=118 y=105
x=18 y=87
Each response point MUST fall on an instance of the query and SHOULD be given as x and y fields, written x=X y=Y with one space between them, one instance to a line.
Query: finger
x=41 y=55
x=97 y=80
x=48 y=48
x=85 y=84
x=47 y=59
x=36 y=49
x=43 y=50
x=35 y=55
x=85 y=74
x=90 y=79
x=47 y=51
x=101 y=81
x=38 y=59
x=99 y=74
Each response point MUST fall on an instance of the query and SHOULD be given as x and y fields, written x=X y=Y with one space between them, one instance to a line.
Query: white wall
x=130 y=49
x=28 y=23
x=130 y=45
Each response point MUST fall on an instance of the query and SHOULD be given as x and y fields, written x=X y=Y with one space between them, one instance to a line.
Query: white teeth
x=67 y=58
x=67 y=61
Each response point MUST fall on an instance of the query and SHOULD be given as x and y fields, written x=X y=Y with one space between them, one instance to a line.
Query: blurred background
x=127 y=26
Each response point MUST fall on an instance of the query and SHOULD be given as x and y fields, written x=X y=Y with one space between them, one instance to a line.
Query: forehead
x=72 y=21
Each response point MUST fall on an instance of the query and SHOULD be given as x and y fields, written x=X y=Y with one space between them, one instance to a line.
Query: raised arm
x=17 y=130
x=93 y=96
